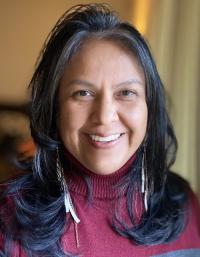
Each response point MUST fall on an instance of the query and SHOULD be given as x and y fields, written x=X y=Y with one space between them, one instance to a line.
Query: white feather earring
x=144 y=180
x=67 y=198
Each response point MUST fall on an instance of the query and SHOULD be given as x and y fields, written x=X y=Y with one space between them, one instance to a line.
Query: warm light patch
x=141 y=10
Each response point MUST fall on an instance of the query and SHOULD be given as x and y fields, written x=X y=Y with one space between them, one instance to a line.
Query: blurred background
x=172 y=28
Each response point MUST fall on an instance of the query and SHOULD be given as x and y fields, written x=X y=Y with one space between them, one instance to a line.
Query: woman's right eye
x=82 y=94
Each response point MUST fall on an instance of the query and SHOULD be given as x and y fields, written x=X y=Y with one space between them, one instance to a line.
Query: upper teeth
x=105 y=139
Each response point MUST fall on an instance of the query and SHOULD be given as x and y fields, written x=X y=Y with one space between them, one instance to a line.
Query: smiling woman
x=100 y=182
x=104 y=111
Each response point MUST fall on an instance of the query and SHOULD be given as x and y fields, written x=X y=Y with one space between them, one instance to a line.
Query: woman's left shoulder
x=192 y=204
x=191 y=233
x=194 y=208
x=179 y=188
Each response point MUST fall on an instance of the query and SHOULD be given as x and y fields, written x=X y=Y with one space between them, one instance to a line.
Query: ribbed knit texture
x=103 y=186
x=94 y=235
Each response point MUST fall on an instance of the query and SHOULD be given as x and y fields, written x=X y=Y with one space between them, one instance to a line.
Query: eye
x=126 y=93
x=82 y=94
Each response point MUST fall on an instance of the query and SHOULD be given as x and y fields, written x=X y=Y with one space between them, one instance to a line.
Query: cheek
x=68 y=129
x=71 y=119
x=65 y=121
x=136 y=119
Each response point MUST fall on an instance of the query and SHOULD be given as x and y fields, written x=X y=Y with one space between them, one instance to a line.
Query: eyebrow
x=80 y=82
x=128 y=82
x=89 y=84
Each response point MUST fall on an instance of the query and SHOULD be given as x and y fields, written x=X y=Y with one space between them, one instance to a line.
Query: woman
x=99 y=183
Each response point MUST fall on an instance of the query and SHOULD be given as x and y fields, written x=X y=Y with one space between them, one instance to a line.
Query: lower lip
x=104 y=145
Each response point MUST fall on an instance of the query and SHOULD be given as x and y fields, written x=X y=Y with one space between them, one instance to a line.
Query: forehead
x=99 y=58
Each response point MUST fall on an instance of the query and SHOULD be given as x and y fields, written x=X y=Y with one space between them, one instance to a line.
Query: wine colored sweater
x=94 y=236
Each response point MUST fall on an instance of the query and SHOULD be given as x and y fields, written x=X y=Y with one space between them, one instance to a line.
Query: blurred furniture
x=15 y=138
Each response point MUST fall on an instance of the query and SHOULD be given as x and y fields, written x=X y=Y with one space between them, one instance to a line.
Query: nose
x=104 y=111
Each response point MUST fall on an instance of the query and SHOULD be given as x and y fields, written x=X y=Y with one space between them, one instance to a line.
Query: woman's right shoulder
x=12 y=188
x=6 y=199
x=7 y=206
x=9 y=190
x=6 y=209
x=15 y=251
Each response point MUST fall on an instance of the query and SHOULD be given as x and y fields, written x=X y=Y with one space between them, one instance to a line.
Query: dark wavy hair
x=39 y=219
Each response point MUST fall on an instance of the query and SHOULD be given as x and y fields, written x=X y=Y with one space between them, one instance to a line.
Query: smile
x=105 y=139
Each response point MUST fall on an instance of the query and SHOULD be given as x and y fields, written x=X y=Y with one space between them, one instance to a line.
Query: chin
x=102 y=172
x=102 y=169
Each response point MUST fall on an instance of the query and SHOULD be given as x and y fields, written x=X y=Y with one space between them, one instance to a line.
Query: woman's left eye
x=126 y=93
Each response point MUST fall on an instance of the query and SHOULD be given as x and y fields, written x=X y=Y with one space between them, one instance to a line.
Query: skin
x=102 y=92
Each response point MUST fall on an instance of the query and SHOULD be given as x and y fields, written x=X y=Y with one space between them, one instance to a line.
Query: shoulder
x=177 y=192
x=194 y=211
x=7 y=209
x=188 y=242
x=9 y=191
x=6 y=203
x=179 y=186
x=177 y=183
x=191 y=233
x=14 y=189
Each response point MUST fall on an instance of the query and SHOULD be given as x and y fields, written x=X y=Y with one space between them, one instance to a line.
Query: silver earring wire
x=69 y=207
x=144 y=180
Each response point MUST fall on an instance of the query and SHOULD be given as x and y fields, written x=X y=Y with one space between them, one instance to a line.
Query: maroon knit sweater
x=94 y=237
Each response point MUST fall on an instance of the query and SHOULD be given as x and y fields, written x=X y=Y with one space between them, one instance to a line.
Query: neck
x=80 y=179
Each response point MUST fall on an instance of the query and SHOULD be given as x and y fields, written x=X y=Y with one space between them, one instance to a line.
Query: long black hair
x=39 y=218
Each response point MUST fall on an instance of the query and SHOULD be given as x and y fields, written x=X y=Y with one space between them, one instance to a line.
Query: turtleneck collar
x=102 y=186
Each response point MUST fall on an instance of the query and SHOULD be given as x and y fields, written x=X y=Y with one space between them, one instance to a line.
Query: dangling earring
x=67 y=198
x=144 y=179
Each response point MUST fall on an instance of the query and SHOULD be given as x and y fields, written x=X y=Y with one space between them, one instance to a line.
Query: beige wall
x=174 y=35
x=24 y=25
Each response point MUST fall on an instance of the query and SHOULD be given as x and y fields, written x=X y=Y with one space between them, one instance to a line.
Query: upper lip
x=105 y=134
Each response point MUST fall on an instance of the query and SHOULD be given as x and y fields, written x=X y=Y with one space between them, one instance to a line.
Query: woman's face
x=102 y=106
